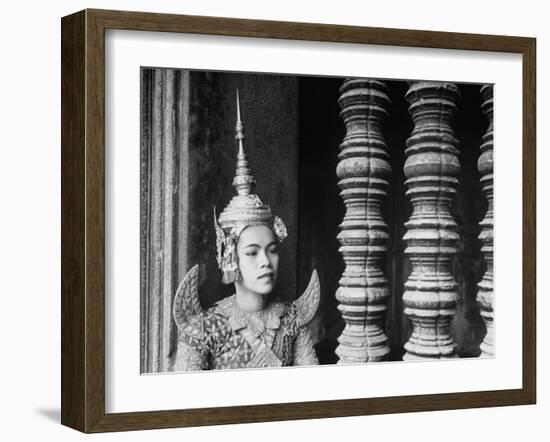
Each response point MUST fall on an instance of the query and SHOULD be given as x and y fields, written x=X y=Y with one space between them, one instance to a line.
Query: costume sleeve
x=192 y=351
x=304 y=353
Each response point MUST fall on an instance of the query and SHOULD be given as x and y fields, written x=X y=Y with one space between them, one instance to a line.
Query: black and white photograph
x=292 y=220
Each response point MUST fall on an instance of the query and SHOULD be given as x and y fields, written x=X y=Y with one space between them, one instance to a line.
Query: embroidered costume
x=225 y=337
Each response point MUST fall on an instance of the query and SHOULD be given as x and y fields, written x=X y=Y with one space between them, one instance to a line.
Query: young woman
x=248 y=329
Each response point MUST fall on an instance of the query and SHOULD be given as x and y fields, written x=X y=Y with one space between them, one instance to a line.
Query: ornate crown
x=245 y=209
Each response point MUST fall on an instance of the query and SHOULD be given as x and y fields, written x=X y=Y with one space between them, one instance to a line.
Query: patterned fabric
x=225 y=337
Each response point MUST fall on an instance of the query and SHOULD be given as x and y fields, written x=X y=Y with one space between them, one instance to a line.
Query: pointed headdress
x=245 y=209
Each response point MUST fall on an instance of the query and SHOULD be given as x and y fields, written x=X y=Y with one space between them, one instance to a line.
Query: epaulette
x=306 y=305
x=186 y=300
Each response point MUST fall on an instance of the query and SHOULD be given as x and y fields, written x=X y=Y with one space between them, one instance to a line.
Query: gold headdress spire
x=245 y=209
x=239 y=129
x=243 y=181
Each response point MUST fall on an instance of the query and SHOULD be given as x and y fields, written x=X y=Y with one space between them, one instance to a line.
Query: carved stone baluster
x=485 y=167
x=364 y=171
x=431 y=170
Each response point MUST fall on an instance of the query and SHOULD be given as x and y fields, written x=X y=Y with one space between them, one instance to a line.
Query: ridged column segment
x=364 y=172
x=431 y=170
x=485 y=167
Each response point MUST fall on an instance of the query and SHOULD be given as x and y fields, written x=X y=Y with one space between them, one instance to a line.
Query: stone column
x=163 y=209
x=364 y=171
x=431 y=170
x=485 y=167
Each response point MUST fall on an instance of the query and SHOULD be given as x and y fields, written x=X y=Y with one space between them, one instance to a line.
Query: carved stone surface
x=363 y=170
x=485 y=167
x=162 y=210
x=431 y=170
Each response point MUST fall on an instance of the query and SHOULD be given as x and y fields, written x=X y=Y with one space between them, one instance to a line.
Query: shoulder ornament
x=186 y=300
x=306 y=305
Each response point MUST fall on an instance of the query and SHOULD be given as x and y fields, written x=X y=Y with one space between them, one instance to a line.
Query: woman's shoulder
x=204 y=329
x=202 y=325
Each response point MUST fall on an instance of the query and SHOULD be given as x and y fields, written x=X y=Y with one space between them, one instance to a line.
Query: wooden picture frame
x=83 y=220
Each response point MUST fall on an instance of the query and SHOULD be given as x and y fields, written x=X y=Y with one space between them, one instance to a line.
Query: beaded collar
x=255 y=322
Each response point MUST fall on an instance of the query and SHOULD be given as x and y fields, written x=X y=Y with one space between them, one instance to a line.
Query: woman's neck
x=249 y=301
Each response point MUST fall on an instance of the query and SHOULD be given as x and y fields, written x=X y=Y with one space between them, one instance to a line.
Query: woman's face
x=258 y=259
